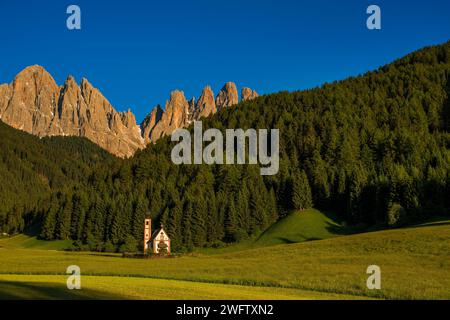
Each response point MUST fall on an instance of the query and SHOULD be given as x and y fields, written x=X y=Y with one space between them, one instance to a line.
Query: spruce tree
x=301 y=191
x=231 y=227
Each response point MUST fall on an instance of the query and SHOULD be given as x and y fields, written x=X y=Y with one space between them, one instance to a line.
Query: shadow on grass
x=339 y=227
x=289 y=241
x=285 y=240
x=428 y=224
x=15 y=290
x=430 y=220
x=342 y=230
x=98 y=254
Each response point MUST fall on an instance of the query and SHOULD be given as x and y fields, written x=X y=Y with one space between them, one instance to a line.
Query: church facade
x=158 y=241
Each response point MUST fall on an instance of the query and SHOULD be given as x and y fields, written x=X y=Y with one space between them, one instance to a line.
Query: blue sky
x=136 y=52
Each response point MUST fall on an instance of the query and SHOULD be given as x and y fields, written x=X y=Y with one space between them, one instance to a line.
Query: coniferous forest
x=374 y=149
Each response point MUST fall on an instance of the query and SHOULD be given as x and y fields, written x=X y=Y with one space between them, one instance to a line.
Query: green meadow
x=108 y=287
x=326 y=263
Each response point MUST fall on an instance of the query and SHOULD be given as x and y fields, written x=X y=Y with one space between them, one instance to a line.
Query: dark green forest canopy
x=365 y=146
x=32 y=168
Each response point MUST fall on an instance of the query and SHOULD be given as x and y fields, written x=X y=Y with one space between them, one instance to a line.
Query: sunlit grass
x=414 y=262
x=103 y=287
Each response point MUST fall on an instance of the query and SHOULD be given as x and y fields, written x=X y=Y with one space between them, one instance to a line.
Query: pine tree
x=199 y=222
x=140 y=210
x=231 y=227
x=49 y=225
x=174 y=228
x=301 y=191
x=64 y=218
x=187 y=225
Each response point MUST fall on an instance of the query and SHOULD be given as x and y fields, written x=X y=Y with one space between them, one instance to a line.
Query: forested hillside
x=32 y=168
x=373 y=149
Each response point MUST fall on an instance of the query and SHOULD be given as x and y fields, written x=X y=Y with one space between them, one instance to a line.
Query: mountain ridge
x=35 y=103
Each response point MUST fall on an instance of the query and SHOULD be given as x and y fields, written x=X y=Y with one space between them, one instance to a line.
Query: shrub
x=129 y=245
x=93 y=245
x=109 y=247
x=75 y=246
x=240 y=235
x=218 y=244
x=396 y=215
x=162 y=247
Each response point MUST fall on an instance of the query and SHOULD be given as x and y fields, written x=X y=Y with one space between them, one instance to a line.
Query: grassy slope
x=297 y=227
x=301 y=226
x=415 y=263
x=23 y=241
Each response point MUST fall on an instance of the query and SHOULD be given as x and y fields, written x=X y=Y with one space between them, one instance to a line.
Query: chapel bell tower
x=147 y=233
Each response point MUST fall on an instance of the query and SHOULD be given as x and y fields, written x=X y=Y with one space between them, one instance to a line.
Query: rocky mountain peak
x=86 y=86
x=128 y=118
x=36 y=104
x=33 y=80
x=192 y=106
x=71 y=81
x=180 y=113
x=176 y=115
x=35 y=70
x=248 y=94
x=30 y=101
x=228 y=96
x=149 y=123
x=206 y=104
x=177 y=98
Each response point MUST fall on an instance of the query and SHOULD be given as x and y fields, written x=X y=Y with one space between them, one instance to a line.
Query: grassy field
x=414 y=262
x=104 y=287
